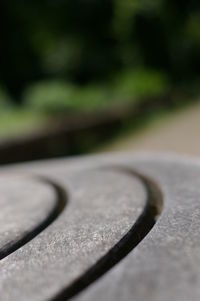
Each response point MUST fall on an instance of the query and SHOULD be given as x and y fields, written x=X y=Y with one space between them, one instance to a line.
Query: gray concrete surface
x=104 y=205
x=26 y=203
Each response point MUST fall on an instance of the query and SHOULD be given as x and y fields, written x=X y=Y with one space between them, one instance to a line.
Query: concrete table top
x=127 y=228
x=27 y=206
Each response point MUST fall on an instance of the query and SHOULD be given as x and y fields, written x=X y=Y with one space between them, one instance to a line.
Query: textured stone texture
x=25 y=205
x=102 y=206
x=166 y=265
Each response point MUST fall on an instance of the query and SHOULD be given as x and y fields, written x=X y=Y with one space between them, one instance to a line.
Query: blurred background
x=94 y=75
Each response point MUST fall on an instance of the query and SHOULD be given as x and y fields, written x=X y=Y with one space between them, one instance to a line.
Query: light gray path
x=177 y=133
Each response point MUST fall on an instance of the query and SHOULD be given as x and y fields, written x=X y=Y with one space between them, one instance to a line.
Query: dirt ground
x=178 y=133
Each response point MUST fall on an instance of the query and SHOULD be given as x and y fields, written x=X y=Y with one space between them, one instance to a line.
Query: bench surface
x=109 y=227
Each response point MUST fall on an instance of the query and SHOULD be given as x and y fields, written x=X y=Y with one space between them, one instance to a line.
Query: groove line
x=129 y=241
x=61 y=201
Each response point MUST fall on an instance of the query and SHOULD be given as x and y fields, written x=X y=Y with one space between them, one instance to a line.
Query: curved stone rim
x=60 y=204
x=142 y=226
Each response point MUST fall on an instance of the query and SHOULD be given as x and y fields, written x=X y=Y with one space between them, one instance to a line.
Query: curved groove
x=129 y=241
x=61 y=201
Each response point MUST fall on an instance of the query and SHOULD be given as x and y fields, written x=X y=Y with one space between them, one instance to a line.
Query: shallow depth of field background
x=60 y=59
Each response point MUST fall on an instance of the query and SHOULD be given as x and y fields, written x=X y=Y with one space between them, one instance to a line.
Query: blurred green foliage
x=5 y=100
x=49 y=96
x=15 y=121
x=54 y=97
x=60 y=56
x=57 y=97
x=136 y=84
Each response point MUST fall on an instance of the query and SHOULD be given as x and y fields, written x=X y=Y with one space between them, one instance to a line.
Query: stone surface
x=103 y=206
x=166 y=265
x=26 y=205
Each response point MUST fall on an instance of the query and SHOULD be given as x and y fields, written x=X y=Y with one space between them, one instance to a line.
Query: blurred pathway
x=179 y=133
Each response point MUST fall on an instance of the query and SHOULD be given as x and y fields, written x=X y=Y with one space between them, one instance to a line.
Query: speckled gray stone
x=102 y=207
x=166 y=264
x=26 y=203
